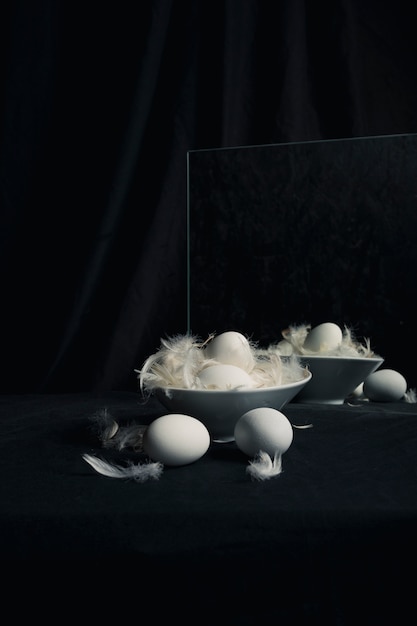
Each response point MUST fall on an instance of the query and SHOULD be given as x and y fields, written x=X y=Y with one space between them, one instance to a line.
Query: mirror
x=306 y=232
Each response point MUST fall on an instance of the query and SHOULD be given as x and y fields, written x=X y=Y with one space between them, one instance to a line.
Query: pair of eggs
x=177 y=439
x=233 y=354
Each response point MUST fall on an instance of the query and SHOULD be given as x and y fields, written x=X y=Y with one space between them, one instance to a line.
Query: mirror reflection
x=304 y=233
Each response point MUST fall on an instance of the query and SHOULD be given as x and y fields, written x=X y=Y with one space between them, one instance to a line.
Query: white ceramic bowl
x=219 y=410
x=334 y=378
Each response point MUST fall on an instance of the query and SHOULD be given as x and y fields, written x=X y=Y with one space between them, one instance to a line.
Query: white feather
x=410 y=396
x=175 y=364
x=262 y=467
x=130 y=436
x=112 y=435
x=139 y=472
x=104 y=425
x=267 y=370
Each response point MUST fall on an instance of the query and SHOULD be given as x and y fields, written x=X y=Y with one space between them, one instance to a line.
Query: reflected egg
x=385 y=385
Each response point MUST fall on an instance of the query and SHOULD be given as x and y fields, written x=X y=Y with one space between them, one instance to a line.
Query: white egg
x=385 y=385
x=357 y=392
x=323 y=337
x=231 y=348
x=224 y=376
x=176 y=439
x=263 y=428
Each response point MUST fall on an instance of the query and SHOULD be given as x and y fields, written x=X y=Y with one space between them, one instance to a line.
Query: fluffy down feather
x=263 y=467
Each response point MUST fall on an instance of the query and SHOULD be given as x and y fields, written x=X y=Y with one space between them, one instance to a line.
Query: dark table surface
x=331 y=540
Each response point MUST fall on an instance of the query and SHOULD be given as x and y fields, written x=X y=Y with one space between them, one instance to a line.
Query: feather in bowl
x=187 y=376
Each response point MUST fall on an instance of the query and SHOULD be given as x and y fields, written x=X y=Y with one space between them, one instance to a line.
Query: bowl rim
x=331 y=357
x=307 y=376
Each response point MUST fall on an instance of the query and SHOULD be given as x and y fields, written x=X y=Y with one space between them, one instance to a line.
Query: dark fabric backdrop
x=100 y=103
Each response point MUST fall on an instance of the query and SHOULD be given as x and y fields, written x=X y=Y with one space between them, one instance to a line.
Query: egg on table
x=263 y=428
x=176 y=439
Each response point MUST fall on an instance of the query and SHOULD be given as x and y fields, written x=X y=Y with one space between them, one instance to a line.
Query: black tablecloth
x=331 y=540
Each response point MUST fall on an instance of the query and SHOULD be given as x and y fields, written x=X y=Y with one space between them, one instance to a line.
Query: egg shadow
x=227 y=451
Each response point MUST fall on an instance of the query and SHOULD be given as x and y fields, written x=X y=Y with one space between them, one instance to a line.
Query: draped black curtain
x=100 y=103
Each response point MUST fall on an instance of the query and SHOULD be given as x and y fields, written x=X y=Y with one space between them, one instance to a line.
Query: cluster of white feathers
x=181 y=358
x=127 y=437
x=294 y=339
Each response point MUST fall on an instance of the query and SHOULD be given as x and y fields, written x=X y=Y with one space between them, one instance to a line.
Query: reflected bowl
x=335 y=378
